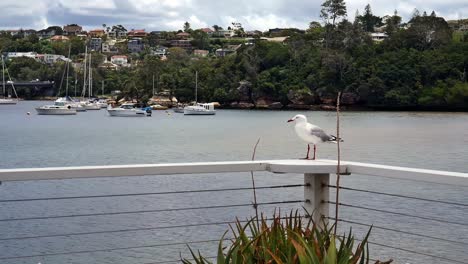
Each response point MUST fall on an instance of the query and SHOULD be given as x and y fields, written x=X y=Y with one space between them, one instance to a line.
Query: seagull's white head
x=298 y=119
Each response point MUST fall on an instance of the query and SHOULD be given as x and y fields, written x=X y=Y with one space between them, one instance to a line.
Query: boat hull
x=7 y=102
x=92 y=107
x=126 y=113
x=55 y=111
x=198 y=112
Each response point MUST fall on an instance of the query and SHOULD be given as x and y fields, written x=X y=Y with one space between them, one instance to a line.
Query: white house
x=120 y=60
x=12 y=55
x=378 y=36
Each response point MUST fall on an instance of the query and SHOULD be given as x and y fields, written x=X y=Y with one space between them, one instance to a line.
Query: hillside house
x=95 y=44
x=120 y=60
x=200 y=53
x=137 y=33
x=135 y=45
x=72 y=30
x=378 y=37
x=181 y=43
x=96 y=33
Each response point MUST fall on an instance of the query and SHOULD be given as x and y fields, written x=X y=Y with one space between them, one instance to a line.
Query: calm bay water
x=425 y=140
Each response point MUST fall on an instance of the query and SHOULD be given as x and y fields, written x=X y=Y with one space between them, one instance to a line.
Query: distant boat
x=198 y=108
x=158 y=107
x=128 y=110
x=56 y=109
x=67 y=100
x=63 y=105
x=6 y=100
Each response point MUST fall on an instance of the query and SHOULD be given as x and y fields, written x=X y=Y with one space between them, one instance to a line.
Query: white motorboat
x=56 y=109
x=91 y=106
x=127 y=110
x=200 y=109
x=102 y=103
x=67 y=100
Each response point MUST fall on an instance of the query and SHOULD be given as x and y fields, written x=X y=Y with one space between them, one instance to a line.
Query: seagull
x=311 y=134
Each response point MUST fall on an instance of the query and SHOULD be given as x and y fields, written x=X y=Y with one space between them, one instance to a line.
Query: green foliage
x=287 y=240
x=368 y=20
x=422 y=65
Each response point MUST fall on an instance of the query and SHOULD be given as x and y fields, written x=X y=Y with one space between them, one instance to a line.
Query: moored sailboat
x=199 y=108
x=6 y=100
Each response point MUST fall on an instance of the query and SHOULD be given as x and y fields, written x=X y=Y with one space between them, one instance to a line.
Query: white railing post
x=316 y=192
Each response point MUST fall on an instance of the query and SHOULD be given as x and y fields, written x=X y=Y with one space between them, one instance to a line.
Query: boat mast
x=68 y=70
x=153 y=84
x=76 y=81
x=3 y=76
x=102 y=88
x=196 y=86
x=90 y=76
x=83 y=93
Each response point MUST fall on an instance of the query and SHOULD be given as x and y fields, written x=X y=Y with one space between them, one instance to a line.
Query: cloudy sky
x=171 y=14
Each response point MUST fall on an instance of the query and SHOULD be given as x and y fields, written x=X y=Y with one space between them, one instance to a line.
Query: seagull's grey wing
x=324 y=137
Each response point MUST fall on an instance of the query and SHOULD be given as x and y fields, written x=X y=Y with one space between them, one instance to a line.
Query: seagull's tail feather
x=334 y=139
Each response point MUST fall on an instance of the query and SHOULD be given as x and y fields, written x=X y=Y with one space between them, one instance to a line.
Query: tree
x=187 y=27
x=200 y=39
x=368 y=20
x=217 y=28
x=392 y=23
x=428 y=32
x=333 y=10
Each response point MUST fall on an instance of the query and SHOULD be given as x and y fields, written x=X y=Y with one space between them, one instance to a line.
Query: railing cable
x=416 y=252
x=400 y=231
x=126 y=230
x=176 y=261
x=399 y=195
x=150 y=193
x=409 y=251
x=112 y=249
x=398 y=213
x=146 y=211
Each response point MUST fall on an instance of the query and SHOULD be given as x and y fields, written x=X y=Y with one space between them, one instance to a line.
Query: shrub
x=292 y=239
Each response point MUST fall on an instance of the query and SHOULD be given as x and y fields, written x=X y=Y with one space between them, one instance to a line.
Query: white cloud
x=171 y=14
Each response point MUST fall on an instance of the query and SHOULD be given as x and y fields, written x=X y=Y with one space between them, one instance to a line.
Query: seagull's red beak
x=290 y=120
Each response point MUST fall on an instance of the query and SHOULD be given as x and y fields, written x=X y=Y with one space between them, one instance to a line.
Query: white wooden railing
x=317 y=189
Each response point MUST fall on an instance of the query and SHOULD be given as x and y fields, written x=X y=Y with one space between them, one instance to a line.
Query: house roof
x=183 y=34
x=207 y=30
x=97 y=31
x=59 y=38
x=137 y=31
x=119 y=56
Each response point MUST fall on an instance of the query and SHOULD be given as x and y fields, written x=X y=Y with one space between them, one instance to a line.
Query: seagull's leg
x=308 y=150
x=315 y=149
